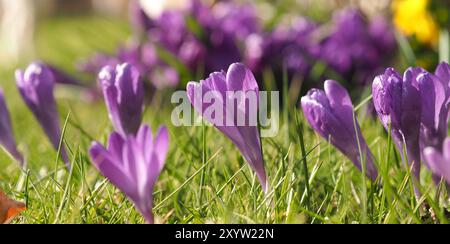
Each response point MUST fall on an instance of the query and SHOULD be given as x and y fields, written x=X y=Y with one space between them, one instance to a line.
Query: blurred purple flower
x=36 y=87
x=246 y=137
x=330 y=113
x=143 y=57
x=286 y=47
x=439 y=160
x=356 y=48
x=96 y=62
x=397 y=101
x=221 y=30
x=180 y=41
x=123 y=91
x=6 y=133
x=229 y=28
x=133 y=164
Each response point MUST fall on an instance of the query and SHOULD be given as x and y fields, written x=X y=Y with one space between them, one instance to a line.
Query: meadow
x=205 y=178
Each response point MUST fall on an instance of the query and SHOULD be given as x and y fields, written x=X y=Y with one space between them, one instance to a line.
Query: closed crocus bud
x=124 y=96
x=6 y=134
x=397 y=101
x=133 y=164
x=330 y=113
x=220 y=86
x=36 y=87
x=439 y=160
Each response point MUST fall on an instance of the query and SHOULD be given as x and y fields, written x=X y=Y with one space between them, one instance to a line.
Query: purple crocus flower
x=36 y=87
x=397 y=101
x=123 y=90
x=330 y=113
x=245 y=136
x=439 y=160
x=133 y=164
x=6 y=134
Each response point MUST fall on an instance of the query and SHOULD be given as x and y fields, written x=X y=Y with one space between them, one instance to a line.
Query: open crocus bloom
x=330 y=113
x=36 y=87
x=439 y=162
x=133 y=164
x=233 y=121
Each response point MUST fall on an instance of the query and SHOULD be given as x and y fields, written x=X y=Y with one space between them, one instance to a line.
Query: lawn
x=205 y=179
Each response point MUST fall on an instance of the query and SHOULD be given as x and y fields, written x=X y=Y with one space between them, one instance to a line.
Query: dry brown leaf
x=9 y=208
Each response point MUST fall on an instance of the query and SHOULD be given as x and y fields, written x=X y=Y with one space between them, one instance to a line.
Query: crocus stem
x=148 y=216
x=413 y=164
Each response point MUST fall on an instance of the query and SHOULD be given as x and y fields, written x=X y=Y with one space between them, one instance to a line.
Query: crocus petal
x=434 y=159
x=161 y=146
x=446 y=149
x=110 y=168
x=443 y=72
x=438 y=162
x=433 y=98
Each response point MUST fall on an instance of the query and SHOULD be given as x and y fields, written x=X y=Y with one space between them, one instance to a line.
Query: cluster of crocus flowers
x=133 y=158
x=36 y=86
x=226 y=32
x=6 y=133
x=413 y=108
x=330 y=113
x=416 y=108
x=221 y=86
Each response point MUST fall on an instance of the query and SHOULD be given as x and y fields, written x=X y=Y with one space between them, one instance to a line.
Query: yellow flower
x=411 y=17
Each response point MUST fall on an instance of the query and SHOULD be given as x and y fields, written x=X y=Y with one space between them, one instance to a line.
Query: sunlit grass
x=205 y=179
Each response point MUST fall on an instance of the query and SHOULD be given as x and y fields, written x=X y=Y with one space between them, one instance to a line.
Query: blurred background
x=308 y=40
